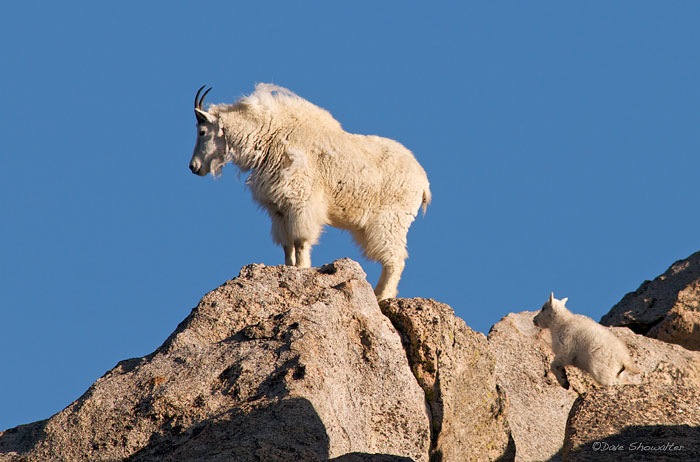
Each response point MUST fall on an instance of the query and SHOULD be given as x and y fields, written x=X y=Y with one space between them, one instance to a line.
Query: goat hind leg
x=385 y=241
x=388 y=284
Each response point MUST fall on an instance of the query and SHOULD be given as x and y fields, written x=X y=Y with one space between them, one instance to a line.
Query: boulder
x=661 y=363
x=667 y=308
x=278 y=364
x=455 y=368
x=648 y=422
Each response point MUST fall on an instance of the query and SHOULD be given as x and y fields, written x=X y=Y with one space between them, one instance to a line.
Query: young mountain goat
x=580 y=341
x=308 y=172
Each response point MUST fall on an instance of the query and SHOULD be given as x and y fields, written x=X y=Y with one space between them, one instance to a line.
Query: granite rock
x=667 y=308
x=455 y=368
x=647 y=422
x=277 y=364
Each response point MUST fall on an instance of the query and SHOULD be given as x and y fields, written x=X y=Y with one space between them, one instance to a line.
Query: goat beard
x=216 y=166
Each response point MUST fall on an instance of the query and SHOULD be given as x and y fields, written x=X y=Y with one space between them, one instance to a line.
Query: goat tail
x=427 y=197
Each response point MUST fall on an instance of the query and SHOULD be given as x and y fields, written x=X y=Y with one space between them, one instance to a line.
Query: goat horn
x=197 y=104
x=201 y=101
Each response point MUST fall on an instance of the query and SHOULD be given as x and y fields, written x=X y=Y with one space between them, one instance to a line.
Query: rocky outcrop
x=539 y=407
x=667 y=308
x=455 y=368
x=648 y=422
x=282 y=364
x=277 y=364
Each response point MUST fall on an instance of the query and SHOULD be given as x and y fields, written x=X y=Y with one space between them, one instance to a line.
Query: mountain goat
x=308 y=172
x=580 y=341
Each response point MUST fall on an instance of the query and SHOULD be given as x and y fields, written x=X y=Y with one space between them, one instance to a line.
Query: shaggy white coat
x=307 y=172
x=579 y=341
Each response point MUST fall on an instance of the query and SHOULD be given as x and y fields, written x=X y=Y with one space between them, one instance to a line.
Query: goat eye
x=201 y=133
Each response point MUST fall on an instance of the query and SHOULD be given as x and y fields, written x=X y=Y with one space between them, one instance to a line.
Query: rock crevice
x=455 y=369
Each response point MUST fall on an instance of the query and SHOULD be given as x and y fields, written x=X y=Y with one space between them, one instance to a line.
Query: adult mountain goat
x=307 y=172
x=579 y=341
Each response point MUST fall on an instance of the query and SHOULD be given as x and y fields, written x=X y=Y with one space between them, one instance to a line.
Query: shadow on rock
x=364 y=457
x=20 y=439
x=278 y=431
x=641 y=443
x=289 y=429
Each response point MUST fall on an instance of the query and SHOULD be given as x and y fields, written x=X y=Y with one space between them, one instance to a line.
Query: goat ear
x=204 y=117
x=564 y=300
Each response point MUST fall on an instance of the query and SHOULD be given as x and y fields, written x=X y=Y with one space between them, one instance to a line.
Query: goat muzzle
x=195 y=166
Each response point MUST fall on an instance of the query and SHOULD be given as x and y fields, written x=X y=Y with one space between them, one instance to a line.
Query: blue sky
x=561 y=141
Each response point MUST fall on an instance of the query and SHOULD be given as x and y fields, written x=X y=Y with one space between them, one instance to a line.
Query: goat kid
x=579 y=341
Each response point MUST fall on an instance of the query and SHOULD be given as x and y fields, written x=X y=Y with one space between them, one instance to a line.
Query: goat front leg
x=289 y=255
x=280 y=235
x=560 y=372
x=302 y=253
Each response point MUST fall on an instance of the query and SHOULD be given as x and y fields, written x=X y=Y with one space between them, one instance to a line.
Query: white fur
x=307 y=172
x=580 y=341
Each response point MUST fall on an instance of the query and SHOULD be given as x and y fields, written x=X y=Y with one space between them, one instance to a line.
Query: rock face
x=277 y=364
x=539 y=407
x=455 y=368
x=648 y=422
x=667 y=308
